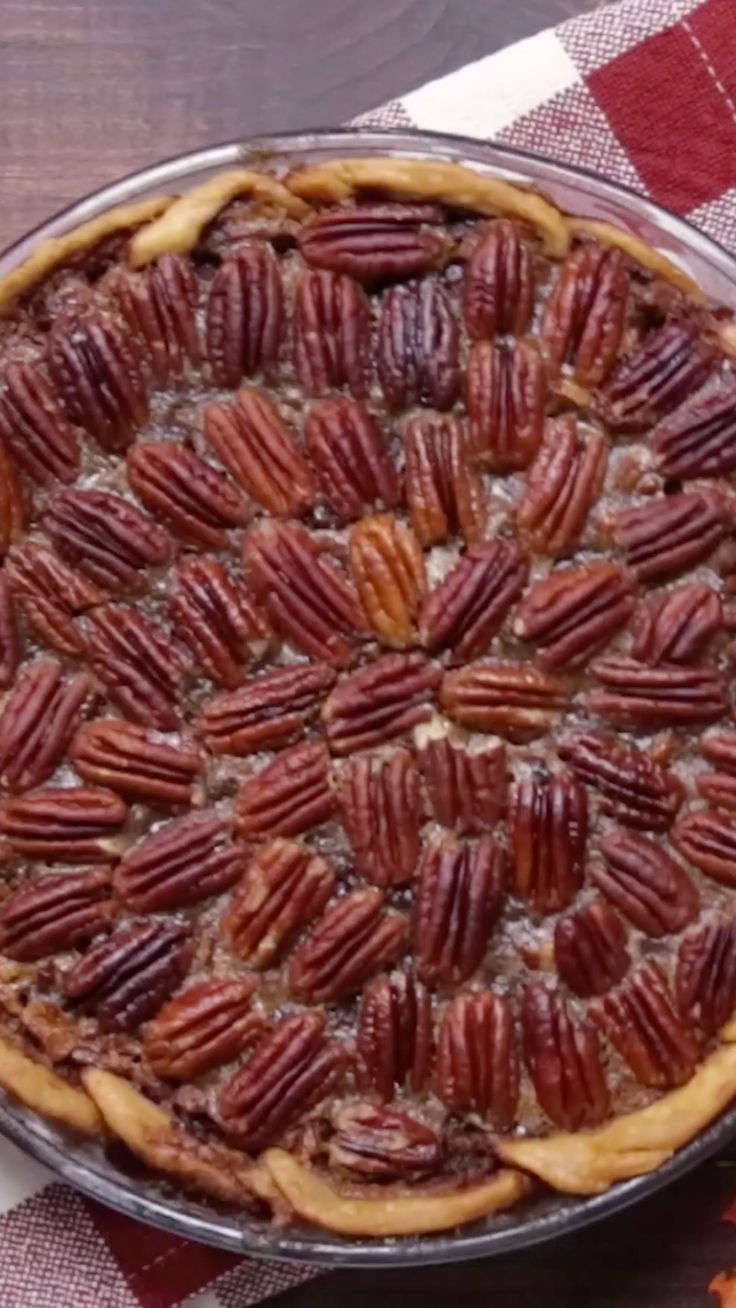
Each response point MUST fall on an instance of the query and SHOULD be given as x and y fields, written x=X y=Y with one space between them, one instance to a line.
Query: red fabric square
x=667 y=110
x=713 y=28
x=159 y=1268
x=571 y=125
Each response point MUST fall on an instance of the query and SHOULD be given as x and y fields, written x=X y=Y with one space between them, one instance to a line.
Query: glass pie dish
x=690 y=260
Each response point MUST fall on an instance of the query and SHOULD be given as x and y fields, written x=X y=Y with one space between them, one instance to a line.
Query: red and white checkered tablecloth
x=643 y=91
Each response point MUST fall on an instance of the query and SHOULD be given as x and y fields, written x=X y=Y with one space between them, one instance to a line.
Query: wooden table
x=92 y=89
x=95 y=88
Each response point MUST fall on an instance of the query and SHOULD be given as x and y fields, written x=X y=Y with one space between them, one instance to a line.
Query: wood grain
x=95 y=88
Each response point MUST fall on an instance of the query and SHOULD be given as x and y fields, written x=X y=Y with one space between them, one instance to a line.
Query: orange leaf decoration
x=724 y=1285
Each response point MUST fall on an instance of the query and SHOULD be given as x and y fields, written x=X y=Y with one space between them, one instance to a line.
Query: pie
x=367 y=630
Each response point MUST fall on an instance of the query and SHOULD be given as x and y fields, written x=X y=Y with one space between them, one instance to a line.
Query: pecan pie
x=367 y=764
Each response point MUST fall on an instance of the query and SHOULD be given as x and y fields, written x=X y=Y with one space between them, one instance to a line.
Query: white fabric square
x=483 y=98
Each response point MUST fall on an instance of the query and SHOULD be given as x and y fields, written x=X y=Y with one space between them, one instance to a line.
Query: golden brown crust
x=420 y=179
x=42 y=1090
x=726 y=333
x=638 y=250
x=179 y=229
x=152 y=1135
x=590 y=1162
x=58 y=249
x=313 y=1199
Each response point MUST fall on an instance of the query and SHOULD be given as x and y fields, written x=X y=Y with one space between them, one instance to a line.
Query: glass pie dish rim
x=554 y=1214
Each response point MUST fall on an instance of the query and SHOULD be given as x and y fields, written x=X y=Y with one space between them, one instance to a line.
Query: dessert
x=367 y=756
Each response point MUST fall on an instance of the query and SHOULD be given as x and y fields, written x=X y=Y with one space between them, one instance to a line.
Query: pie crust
x=592 y=1161
x=179 y=227
x=39 y=1088
x=58 y=250
x=442 y=181
x=366 y=778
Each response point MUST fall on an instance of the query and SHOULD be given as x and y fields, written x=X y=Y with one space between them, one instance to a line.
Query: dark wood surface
x=94 y=88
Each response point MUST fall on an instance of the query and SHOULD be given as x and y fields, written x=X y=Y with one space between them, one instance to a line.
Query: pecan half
x=571 y=614
x=636 y=695
x=498 y=290
x=590 y=948
x=445 y=492
x=305 y=594
x=585 y=312
x=245 y=314
x=106 y=537
x=562 y=485
x=677 y=627
x=50 y=594
x=719 y=787
x=705 y=981
x=376 y=242
x=288 y=796
x=137 y=663
x=380 y=807
x=458 y=899
x=467 y=786
x=645 y=883
x=387 y=566
x=12 y=503
x=55 y=912
x=379 y=702
x=124 y=980
x=199 y=503
x=699 y=440
x=633 y=788
x=213 y=613
x=466 y=610
x=35 y=431
x=549 y=830
x=291 y=1070
x=208 y=1024
x=563 y=1056
x=477 y=1059
x=708 y=840
x=253 y=442
x=135 y=762
x=669 y=536
x=506 y=390
x=269 y=711
x=395 y=1034
x=10 y=652
x=642 y=1023
x=98 y=376
x=382 y=1144
x=332 y=334
x=348 y=449
x=37 y=722
x=159 y=304
x=418 y=347
x=64 y=824
x=672 y=363
x=513 y=699
x=285 y=886
x=182 y=863
x=356 y=938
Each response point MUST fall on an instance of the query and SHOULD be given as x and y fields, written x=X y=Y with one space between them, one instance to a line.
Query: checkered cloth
x=643 y=91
